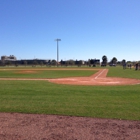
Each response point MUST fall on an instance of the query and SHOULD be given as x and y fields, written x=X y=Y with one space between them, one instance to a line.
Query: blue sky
x=87 y=29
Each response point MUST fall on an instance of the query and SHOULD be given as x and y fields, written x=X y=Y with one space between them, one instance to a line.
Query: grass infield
x=117 y=102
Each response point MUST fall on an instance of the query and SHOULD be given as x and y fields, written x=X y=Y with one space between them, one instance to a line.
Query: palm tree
x=114 y=60
x=123 y=61
x=104 y=62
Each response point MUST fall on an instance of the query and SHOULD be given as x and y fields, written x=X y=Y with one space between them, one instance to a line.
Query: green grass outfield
x=117 y=102
x=44 y=73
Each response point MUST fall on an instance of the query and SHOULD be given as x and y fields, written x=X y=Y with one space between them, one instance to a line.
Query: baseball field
x=105 y=93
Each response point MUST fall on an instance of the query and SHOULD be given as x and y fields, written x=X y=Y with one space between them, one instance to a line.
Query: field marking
x=110 y=82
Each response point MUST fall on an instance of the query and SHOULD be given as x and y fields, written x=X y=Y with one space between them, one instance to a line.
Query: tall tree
x=53 y=62
x=114 y=60
x=80 y=63
x=123 y=61
x=71 y=62
x=104 y=60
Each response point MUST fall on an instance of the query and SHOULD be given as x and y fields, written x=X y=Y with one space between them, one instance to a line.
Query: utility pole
x=57 y=50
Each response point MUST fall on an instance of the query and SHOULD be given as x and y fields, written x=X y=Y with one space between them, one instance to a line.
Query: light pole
x=57 y=50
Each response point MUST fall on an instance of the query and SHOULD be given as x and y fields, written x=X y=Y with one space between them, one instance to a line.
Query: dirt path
x=15 y=126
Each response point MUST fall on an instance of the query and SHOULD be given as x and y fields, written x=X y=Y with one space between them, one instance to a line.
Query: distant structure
x=12 y=60
x=57 y=50
x=9 y=58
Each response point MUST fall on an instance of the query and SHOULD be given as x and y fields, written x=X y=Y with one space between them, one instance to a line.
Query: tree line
x=71 y=62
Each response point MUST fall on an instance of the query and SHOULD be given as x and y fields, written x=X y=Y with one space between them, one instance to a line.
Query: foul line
x=99 y=74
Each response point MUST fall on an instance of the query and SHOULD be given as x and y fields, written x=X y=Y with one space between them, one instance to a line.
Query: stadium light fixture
x=57 y=50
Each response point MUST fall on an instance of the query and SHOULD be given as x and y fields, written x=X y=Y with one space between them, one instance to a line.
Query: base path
x=98 y=78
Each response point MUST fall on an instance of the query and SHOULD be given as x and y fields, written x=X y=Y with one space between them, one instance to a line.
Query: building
x=8 y=58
